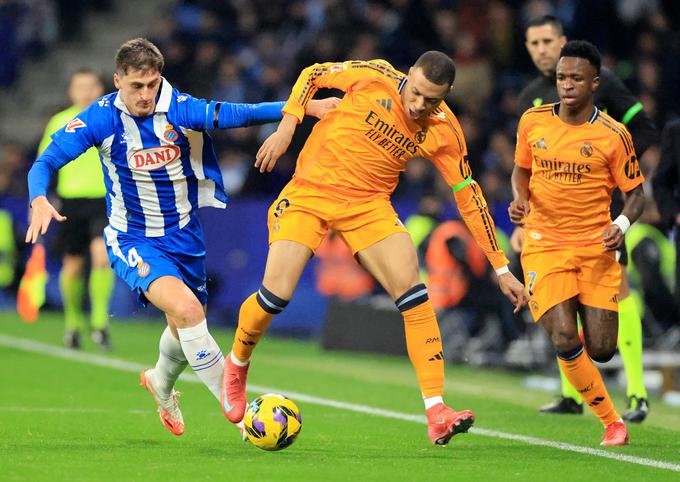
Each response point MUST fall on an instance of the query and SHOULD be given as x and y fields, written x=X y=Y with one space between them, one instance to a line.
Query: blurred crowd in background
x=253 y=50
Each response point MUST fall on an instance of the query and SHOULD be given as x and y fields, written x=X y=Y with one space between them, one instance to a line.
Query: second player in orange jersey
x=345 y=175
x=569 y=158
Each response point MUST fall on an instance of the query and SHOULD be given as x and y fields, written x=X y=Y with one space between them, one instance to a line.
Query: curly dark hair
x=583 y=50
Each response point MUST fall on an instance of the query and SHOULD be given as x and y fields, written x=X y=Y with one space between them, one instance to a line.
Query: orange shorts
x=554 y=274
x=304 y=213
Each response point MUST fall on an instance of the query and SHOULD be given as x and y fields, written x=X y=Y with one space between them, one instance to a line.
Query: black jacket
x=666 y=181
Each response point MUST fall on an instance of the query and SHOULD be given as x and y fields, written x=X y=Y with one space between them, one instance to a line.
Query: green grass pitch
x=64 y=419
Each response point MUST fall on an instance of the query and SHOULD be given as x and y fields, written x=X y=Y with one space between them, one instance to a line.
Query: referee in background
x=544 y=40
x=81 y=188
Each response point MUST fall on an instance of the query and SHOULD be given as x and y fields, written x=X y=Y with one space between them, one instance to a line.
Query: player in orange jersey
x=569 y=158
x=345 y=175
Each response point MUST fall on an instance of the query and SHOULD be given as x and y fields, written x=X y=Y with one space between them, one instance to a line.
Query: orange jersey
x=359 y=148
x=574 y=170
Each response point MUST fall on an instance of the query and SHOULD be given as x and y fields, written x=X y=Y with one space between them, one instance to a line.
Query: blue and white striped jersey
x=158 y=169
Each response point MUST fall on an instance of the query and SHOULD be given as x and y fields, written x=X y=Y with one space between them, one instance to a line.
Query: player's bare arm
x=519 y=207
x=634 y=203
x=42 y=213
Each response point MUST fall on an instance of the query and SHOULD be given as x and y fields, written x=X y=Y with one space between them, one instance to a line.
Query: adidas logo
x=614 y=299
x=540 y=144
x=386 y=103
x=596 y=402
x=438 y=356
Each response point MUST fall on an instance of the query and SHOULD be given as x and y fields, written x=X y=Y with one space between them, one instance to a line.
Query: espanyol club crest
x=74 y=124
x=170 y=134
x=143 y=269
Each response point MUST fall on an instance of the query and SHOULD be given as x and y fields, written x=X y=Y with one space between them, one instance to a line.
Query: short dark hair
x=88 y=71
x=139 y=54
x=546 y=20
x=583 y=50
x=437 y=67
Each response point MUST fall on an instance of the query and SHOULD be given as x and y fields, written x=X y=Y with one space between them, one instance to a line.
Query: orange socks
x=585 y=377
x=423 y=340
x=254 y=317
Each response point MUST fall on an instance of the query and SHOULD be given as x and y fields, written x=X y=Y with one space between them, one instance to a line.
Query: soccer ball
x=272 y=422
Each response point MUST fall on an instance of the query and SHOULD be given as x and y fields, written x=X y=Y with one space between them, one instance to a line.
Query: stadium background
x=67 y=415
x=251 y=51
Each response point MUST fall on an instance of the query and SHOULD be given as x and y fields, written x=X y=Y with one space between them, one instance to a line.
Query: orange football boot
x=444 y=422
x=168 y=408
x=615 y=435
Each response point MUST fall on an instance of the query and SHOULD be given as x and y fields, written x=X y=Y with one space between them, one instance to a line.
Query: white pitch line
x=70 y=410
x=107 y=362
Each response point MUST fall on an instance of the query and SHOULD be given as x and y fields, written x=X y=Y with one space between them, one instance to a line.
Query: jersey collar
x=596 y=111
x=162 y=103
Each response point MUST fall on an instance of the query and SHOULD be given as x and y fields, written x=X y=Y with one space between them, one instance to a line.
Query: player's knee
x=417 y=295
x=73 y=266
x=565 y=340
x=602 y=357
x=269 y=302
x=188 y=313
x=568 y=354
x=601 y=352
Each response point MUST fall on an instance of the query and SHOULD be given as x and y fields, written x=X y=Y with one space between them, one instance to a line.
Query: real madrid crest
x=420 y=135
x=587 y=149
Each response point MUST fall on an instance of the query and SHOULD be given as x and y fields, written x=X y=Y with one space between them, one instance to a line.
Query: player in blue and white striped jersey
x=159 y=168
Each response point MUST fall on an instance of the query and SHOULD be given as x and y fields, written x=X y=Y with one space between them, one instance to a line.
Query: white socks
x=204 y=355
x=171 y=362
x=432 y=401
x=236 y=361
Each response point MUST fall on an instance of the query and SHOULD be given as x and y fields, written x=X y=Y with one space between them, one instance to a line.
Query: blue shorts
x=139 y=260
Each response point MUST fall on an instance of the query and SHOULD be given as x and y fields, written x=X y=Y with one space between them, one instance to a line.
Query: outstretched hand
x=319 y=108
x=513 y=290
x=276 y=144
x=42 y=213
x=271 y=150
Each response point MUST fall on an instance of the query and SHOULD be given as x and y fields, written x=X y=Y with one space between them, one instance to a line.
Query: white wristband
x=502 y=270
x=622 y=222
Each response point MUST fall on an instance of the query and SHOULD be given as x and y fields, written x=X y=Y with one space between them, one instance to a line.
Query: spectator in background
x=234 y=166
x=338 y=274
x=80 y=240
x=13 y=165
